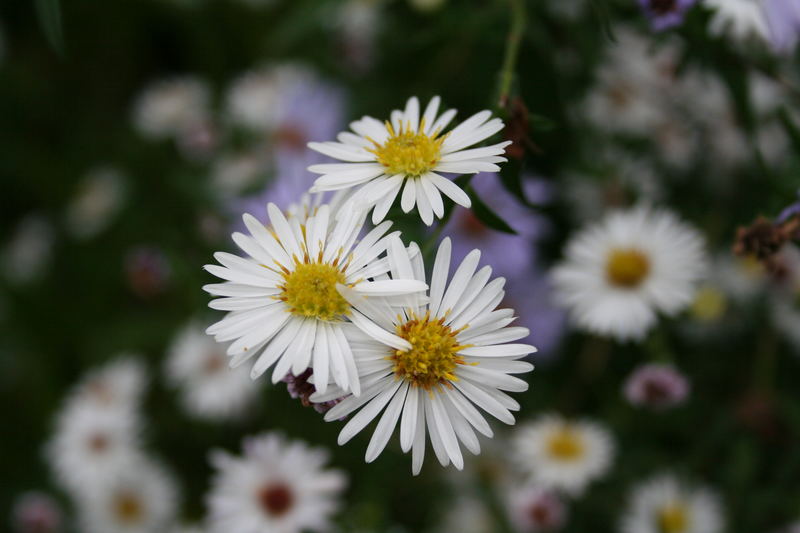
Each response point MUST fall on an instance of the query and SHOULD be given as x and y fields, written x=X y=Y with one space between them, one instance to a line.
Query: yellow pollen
x=709 y=304
x=128 y=508
x=627 y=267
x=408 y=152
x=432 y=359
x=673 y=519
x=565 y=445
x=310 y=291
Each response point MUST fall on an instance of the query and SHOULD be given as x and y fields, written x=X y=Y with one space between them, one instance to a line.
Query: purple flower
x=789 y=212
x=147 y=271
x=656 y=386
x=36 y=512
x=664 y=14
x=534 y=509
x=299 y=387
x=783 y=17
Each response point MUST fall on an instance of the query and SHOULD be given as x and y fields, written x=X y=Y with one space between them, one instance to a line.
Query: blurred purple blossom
x=789 y=212
x=783 y=17
x=656 y=386
x=299 y=387
x=535 y=509
x=147 y=271
x=665 y=14
x=36 y=512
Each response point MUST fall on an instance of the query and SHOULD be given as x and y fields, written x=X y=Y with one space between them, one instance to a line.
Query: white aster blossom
x=664 y=505
x=432 y=363
x=276 y=485
x=170 y=107
x=562 y=454
x=284 y=307
x=619 y=273
x=97 y=201
x=411 y=148
x=208 y=388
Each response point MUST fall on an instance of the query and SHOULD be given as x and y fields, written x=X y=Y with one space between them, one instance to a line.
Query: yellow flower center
x=432 y=358
x=709 y=304
x=408 y=152
x=673 y=519
x=627 y=267
x=128 y=507
x=310 y=291
x=565 y=445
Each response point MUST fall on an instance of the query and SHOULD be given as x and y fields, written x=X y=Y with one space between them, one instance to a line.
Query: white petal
x=385 y=428
x=365 y=415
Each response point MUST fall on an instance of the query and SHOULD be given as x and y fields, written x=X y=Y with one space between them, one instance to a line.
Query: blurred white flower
x=116 y=386
x=26 y=256
x=276 y=485
x=740 y=19
x=282 y=301
x=426 y=5
x=170 y=107
x=96 y=202
x=562 y=454
x=534 y=509
x=358 y=22
x=234 y=173
x=618 y=273
x=411 y=149
x=208 y=388
x=435 y=362
x=656 y=386
x=254 y=99
x=36 y=512
x=141 y=499
x=466 y=514
x=91 y=446
x=664 y=505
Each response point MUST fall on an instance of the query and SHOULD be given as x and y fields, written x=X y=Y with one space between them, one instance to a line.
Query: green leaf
x=49 y=12
x=486 y=215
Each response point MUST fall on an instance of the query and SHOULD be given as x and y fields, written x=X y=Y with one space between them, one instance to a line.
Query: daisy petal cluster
x=620 y=273
x=408 y=153
x=432 y=365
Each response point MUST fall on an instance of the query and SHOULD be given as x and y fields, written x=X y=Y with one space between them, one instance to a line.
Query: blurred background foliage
x=65 y=108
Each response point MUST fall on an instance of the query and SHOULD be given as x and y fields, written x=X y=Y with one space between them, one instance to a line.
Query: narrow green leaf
x=50 y=19
x=486 y=215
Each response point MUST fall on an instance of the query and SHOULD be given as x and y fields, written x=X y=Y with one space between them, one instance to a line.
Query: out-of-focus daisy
x=141 y=499
x=283 y=302
x=98 y=199
x=665 y=14
x=277 y=485
x=26 y=256
x=410 y=149
x=357 y=23
x=117 y=385
x=170 y=107
x=656 y=386
x=91 y=446
x=620 y=272
x=434 y=361
x=36 y=512
x=741 y=19
x=563 y=454
x=466 y=514
x=664 y=505
x=208 y=388
x=533 y=509
x=232 y=173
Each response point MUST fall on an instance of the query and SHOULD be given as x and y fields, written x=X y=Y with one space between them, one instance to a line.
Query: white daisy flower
x=284 y=295
x=118 y=385
x=619 y=273
x=169 y=107
x=97 y=201
x=142 y=499
x=208 y=388
x=412 y=149
x=91 y=446
x=563 y=454
x=277 y=485
x=741 y=19
x=663 y=505
x=430 y=361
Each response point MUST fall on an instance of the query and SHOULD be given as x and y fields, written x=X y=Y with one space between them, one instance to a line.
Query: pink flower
x=534 y=509
x=656 y=386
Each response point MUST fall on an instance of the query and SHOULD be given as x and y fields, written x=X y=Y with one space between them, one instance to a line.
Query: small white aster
x=142 y=499
x=209 y=389
x=277 y=485
x=664 y=505
x=90 y=446
x=620 y=272
x=412 y=149
x=170 y=107
x=741 y=19
x=563 y=454
x=431 y=362
x=117 y=385
x=283 y=302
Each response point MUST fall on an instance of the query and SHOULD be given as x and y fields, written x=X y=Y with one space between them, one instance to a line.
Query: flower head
x=656 y=386
x=620 y=272
x=276 y=485
x=534 y=509
x=433 y=360
x=409 y=149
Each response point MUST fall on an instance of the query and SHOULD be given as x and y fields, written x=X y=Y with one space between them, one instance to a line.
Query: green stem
x=515 y=33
